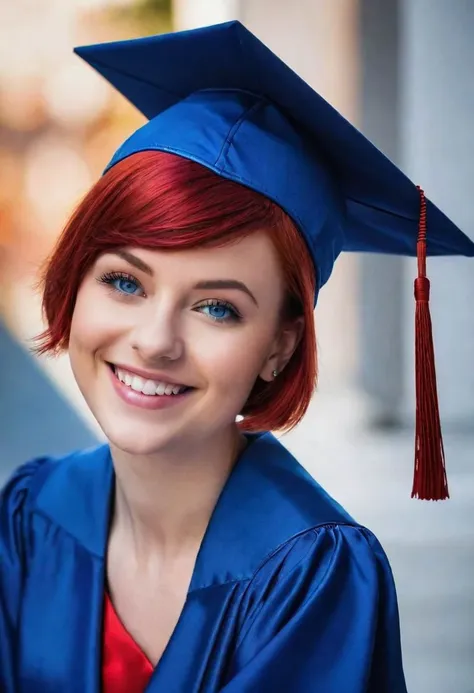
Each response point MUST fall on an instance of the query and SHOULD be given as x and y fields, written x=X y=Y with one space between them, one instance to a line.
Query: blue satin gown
x=288 y=593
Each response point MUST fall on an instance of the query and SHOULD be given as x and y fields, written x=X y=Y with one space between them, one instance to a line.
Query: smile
x=152 y=388
x=146 y=393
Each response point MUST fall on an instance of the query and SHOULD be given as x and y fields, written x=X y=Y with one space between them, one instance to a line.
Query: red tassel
x=430 y=481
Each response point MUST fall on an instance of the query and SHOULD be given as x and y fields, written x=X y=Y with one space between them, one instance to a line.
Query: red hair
x=158 y=200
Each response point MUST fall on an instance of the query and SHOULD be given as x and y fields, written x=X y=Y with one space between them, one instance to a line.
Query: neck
x=164 y=502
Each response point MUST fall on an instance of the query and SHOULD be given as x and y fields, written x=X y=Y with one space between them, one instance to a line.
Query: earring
x=275 y=373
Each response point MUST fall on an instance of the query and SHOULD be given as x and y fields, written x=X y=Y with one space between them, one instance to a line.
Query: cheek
x=94 y=324
x=232 y=360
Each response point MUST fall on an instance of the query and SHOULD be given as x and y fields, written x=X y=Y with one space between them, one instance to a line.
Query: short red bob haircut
x=157 y=200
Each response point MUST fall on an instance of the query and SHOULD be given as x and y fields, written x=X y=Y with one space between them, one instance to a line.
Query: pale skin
x=172 y=463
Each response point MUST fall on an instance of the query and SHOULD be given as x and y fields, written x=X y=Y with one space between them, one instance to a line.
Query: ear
x=283 y=348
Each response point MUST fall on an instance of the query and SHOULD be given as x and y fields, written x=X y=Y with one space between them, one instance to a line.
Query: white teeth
x=137 y=383
x=121 y=375
x=147 y=387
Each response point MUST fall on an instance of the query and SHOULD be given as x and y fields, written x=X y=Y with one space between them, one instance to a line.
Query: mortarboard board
x=218 y=96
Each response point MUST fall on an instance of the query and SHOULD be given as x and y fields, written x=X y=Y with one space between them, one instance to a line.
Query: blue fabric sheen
x=289 y=594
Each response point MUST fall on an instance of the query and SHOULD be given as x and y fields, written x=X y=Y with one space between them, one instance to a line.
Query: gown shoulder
x=324 y=602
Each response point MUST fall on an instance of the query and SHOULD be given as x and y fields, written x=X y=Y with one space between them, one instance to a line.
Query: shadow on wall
x=35 y=419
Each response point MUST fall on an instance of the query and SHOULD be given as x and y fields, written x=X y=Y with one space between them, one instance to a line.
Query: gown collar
x=267 y=499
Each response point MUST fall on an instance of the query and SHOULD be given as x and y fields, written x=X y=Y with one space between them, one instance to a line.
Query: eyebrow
x=135 y=261
x=205 y=284
x=226 y=284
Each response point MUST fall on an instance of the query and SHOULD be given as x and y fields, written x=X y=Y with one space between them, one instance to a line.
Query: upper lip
x=148 y=375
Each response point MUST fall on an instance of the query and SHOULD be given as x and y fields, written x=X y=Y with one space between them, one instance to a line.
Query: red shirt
x=125 y=669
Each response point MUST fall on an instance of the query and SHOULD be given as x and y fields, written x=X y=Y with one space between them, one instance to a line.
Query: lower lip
x=138 y=399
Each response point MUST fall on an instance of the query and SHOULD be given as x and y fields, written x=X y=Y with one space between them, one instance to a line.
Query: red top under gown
x=125 y=669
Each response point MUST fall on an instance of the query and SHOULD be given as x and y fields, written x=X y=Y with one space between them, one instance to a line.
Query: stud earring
x=275 y=373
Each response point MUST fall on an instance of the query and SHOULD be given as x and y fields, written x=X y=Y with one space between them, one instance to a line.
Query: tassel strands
x=430 y=480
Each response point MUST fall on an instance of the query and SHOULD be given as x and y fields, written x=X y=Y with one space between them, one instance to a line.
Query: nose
x=157 y=336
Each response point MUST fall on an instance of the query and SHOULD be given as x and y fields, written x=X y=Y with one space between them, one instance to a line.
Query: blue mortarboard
x=219 y=96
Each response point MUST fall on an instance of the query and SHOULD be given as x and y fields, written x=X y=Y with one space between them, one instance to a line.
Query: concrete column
x=190 y=14
x=380 y=306
x=438 y=153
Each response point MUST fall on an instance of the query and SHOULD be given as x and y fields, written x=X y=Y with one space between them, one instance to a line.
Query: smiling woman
x=156 y=201
x=192 y=553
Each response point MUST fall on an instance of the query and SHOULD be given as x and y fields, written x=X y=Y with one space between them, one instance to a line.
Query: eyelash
x=234 y=314
x=109 y=278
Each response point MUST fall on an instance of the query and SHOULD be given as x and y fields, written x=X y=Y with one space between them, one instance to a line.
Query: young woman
x=192 y=553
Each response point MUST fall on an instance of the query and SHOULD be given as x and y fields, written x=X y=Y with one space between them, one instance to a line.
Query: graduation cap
x=218 y=96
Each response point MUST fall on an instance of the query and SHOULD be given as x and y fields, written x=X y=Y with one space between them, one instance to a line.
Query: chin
x=138 y=432
x=135 y=437
x=137 y=443
x=130 y=447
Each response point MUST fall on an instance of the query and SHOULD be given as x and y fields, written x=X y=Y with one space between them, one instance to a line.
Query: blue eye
x=220 y=311
x=122 y=283
x=127 y=286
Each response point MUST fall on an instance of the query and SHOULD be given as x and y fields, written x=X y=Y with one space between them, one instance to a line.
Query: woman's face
x=147 y=322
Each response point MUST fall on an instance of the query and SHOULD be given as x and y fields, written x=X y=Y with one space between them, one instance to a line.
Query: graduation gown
x=288 y=592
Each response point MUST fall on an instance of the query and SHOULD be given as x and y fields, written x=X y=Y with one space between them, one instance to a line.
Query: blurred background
x=402 y=71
